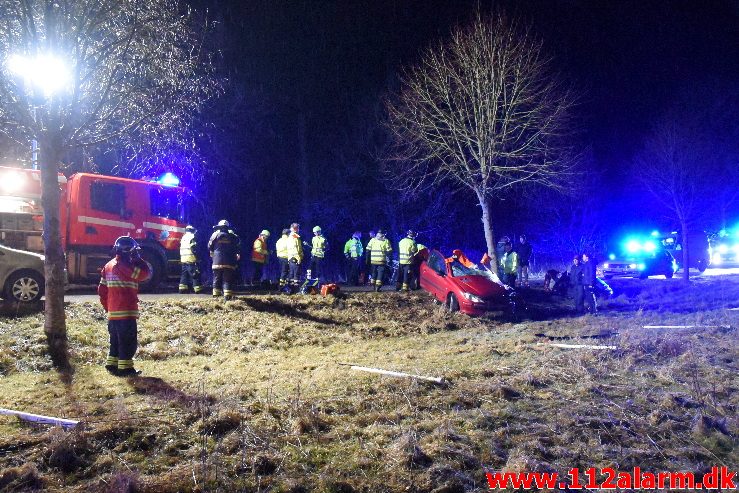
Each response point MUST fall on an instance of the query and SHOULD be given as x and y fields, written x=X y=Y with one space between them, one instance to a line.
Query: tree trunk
x=55 y=325
x=487 y=224
x=686 y=251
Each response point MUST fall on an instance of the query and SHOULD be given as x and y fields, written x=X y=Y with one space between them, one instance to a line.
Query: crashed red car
x=461 y=286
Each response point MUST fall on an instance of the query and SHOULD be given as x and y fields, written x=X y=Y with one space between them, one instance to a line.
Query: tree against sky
x=82 y=73
x=484 y=111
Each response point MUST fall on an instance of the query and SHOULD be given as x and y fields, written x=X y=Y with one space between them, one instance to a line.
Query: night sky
x=306 y=79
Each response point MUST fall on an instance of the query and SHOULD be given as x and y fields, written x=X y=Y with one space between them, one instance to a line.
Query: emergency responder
x=407 y=250
x=588 y=283
x=509 y=264
x=353 y=251
x=281 y=248
x=294 y=254
x=575 y=278
x=319 y=246
x=259 y=255
x=224 y=248
x=367 y=271
x=524 y=257
x=422 y=254
x=118 y=292
x=190 y=276
x=378 y=253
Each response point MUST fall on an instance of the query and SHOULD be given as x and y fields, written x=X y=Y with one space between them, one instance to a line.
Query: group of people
x=364 y=262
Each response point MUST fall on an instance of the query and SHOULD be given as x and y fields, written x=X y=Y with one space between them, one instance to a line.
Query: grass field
x=249 y=395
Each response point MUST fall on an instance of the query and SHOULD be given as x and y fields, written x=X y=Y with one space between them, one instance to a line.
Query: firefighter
x=588 y=282
x=259 y=255
x=509 y=264
x=576 y=278
x=319 y=246
x=224 y=248
x=353 y=251
x=281 y=248
x=190 y=276
x=378 y=251
x=407 y=250
x=294 y=254
x=118 y=292
x=524 y=256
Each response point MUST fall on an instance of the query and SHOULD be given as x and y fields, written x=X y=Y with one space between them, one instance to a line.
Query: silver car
x=21 y=275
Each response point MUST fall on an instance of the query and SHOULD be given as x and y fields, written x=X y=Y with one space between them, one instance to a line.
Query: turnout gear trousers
x=223 y=282
x=123 y=343
x=190 y=278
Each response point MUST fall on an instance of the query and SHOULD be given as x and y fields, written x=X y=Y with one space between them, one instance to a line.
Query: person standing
x=190 y=274
x=509 y=264
x=259 y=256
x=407 y=249
x=523 y=249
x=368 y=270
x=588 y=281
x=282 y=256
x=319 y=246
x=294 y=254
x=224 y=248
x=576 y=281
x=353 y=251
x=422 y=253
x=378 y=252
x=118 y=292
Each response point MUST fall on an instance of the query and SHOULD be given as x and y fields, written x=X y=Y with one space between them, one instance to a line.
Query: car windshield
x=460 y=270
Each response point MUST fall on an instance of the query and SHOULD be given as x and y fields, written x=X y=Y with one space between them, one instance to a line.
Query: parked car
x=21 y=275
x=459 y=288
x=661 y=262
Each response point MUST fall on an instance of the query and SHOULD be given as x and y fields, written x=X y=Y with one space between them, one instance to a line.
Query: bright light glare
x=716 y=260
x=169 y=180
x=12 y=181
x=649 y=246
x=632 y=266
x=736 y=248
x=612 y=257
x=723 y=249
x=655 y=233
x=633 y=246
x=642 y=266
x=46 y=72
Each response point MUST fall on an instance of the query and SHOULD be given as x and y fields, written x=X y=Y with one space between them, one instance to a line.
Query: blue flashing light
x=641 y=266
x=655 y=233
x=649 y=246
x=169 y=180
x=612 y=257
x=633 y=246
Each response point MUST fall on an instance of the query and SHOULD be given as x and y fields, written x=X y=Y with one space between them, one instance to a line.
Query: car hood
x=23 y=252
x=479 y=286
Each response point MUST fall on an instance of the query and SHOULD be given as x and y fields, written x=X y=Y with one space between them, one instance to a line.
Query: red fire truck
x=95 y=210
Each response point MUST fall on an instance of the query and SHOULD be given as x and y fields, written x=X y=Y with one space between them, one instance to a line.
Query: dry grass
x=248 y=395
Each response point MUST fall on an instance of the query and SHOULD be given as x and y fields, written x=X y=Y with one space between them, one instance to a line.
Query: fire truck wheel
x=25 y=286
x=157 y=270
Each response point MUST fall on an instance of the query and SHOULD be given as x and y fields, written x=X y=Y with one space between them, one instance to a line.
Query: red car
x=460 y=288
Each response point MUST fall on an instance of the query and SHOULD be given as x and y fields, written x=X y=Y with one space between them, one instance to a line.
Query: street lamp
x=45 y=72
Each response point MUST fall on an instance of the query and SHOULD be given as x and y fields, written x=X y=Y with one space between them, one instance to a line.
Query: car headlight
x=632 y=266
x=641 y=266
x=605 y=266
x=473 y=298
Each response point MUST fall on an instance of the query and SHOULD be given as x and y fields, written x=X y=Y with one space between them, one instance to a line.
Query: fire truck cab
x=94 y=211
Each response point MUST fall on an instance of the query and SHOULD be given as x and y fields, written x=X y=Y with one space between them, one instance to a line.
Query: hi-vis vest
x=187 y=244
x=259 y=250
x=281 y=247
x=407 y=249
x=319 y=246
x=353 y=247
x=379 y=250
x=295 y=247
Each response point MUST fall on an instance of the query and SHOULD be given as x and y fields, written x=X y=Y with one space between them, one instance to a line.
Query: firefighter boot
x=378 y=286
x=405 y=288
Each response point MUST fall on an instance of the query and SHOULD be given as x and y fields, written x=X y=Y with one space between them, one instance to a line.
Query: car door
x=433 y=275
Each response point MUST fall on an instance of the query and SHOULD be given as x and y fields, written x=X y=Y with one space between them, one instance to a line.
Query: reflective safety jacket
x=353 y=248
x=407 y=249
x=259 y=250
x=224 y=246
x=281 y=246
x=295 y=247
x=119 y=287
x=378 y=251
x=187 y=249
x=509 y=262
x=320 y=245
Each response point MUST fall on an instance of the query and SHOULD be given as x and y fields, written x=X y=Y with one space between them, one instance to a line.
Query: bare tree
x=483 y=111
x=129 y=73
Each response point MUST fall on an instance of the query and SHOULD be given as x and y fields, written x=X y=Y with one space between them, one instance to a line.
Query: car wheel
x=25 y=286
x=452 y=303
